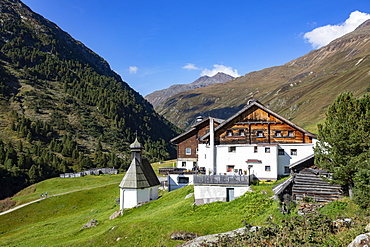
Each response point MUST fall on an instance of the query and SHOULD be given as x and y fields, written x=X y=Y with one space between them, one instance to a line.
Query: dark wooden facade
x=257 y=124
x=190 y=139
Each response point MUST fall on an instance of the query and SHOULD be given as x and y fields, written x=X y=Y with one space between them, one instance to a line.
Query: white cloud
x=190 y=66
x=324 y=35
x=220 y=68
x=133 y=69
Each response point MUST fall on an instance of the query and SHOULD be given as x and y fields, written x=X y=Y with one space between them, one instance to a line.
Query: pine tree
x=32 y=174
x=343 y=145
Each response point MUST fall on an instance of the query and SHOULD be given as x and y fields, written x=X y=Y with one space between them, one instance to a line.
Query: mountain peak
x=305 y=85
x=364 y=24
x=158 y=97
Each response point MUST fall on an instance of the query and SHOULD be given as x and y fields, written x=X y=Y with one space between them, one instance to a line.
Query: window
x=267 y=168
x=267 y=150
x=286 y=169
x=281 y=152
x=293 y=151
x=188 y=151
x=183 y=164
x=241 y=133
x=259 y=133
x=291 y=133
x=230 y=168
x=229 y=133
x=196 y=151
x=278 y=133
x=183 y=180
x=232 y=149
x=255 y=149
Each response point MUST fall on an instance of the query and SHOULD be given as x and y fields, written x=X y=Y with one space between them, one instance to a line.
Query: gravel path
x=28 y=203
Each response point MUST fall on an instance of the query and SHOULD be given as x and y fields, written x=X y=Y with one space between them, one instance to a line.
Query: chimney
x=212 y=145
x=251 y=101
x=199 y=119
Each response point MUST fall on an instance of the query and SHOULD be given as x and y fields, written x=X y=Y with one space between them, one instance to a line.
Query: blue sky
x=153 y=44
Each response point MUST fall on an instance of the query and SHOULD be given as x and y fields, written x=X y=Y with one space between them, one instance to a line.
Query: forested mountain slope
x=62 y=107
x=300 y=90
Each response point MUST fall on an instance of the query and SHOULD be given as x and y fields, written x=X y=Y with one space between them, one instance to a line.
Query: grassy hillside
x=300 y=90
x=57 y=220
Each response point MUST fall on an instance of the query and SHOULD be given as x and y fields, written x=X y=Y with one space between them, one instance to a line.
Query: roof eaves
x=291 y=166
x=282 y=186
x=193 y=127
x=174 y=140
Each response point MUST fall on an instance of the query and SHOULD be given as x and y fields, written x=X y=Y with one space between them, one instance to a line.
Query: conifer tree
x=343 y=145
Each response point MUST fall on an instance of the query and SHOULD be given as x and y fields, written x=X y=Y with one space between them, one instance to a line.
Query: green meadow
x=58 y=219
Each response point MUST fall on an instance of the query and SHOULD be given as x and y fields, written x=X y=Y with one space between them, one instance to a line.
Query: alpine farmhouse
x=255 y=143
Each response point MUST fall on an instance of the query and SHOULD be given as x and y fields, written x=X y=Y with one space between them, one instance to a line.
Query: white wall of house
x=207 y=194
x=270 y=164
x=303 y=150
x=187 y=163
x=204 y=152
x=176 y=181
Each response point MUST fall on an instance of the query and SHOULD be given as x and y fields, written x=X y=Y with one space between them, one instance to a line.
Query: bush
x=6 y=204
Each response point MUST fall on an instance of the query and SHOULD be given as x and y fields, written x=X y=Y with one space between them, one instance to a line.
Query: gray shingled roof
x=134 y=177
x=140 y=174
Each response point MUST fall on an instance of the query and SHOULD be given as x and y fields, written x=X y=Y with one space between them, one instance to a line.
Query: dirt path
x=28 y=203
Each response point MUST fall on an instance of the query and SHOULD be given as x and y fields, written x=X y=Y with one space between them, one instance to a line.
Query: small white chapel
x=140 y=183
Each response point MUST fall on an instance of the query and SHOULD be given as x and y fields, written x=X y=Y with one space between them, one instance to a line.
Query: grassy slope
x=168 y=163
x=57 y=221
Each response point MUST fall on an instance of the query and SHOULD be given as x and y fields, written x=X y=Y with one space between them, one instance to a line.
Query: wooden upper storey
x=256 y=124
x=187 y=143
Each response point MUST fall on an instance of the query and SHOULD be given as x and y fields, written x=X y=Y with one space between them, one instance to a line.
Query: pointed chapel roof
x=140 y=174
x=259 y=105
x=134 y=177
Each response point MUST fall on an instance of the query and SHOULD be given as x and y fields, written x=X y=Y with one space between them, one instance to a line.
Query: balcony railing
x=221 y=179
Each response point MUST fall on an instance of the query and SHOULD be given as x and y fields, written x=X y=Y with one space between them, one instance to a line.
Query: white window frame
x=260 y=134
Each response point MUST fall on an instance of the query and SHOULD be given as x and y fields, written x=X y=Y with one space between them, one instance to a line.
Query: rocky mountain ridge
x=158 y=97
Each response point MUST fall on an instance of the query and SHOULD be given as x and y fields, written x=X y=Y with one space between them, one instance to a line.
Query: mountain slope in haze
x=158 y=97
x=62 y=109
x=300 y=90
